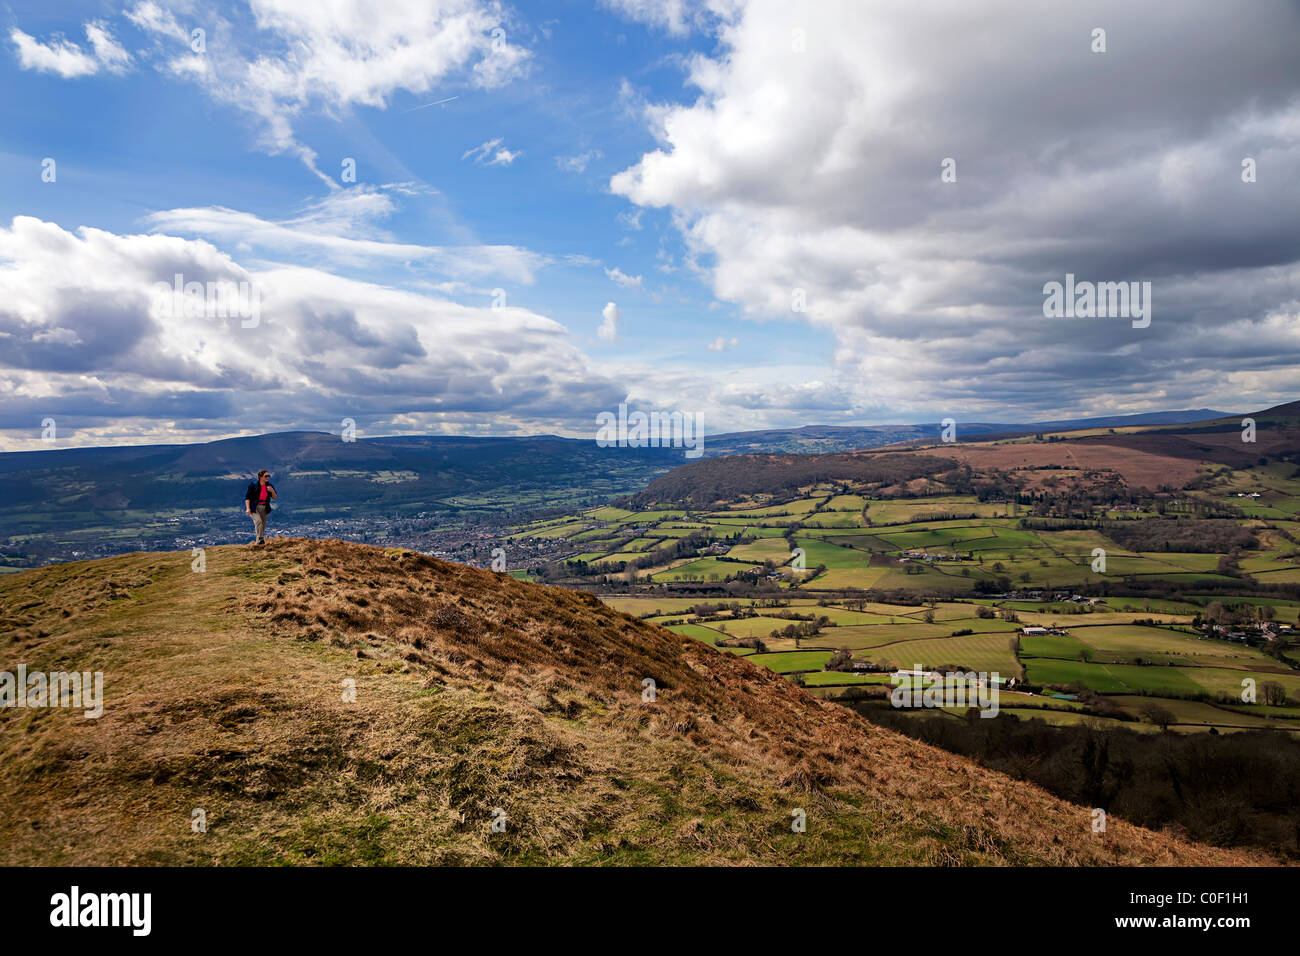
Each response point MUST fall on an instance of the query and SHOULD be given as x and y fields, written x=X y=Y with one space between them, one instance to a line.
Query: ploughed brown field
x=1137 y=467
x=1149 y=459
x=224 y=691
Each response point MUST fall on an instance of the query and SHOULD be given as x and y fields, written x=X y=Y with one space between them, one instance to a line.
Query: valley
x=1128 y=596
x=1178 y=596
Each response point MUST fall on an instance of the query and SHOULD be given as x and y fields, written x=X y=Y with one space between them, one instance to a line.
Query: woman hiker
x=257 y=502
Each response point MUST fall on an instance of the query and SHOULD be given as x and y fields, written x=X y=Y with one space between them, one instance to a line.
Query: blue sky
x=693 y=163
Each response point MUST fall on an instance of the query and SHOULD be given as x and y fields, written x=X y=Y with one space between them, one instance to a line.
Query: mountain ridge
x=474 y=692
x=1162 y=417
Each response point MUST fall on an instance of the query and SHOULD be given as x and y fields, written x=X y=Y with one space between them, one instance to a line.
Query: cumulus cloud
x=89 y=336
x=721 y=344
x=64 y=58
x=806 y=176
x=608 y=329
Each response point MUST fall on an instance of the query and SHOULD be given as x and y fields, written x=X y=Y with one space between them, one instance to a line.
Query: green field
x=784 y=662
x=763 y=549
x=972 y=652
x=1178 y=664
x=987 y=540
x=945 y=549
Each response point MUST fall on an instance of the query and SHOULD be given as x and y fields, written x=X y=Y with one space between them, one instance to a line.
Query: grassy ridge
x=474 y=691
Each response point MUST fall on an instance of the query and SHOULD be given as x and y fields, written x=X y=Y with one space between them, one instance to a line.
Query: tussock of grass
x=474 y=691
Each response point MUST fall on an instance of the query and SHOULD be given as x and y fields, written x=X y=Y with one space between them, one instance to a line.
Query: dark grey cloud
x=820 y=170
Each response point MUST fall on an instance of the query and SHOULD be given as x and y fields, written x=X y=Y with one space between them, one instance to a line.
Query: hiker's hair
x=262 y=472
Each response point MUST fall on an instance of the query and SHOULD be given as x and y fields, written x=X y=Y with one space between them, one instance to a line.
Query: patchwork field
x=827 y=541
x=1128 y=664
x=950 y=581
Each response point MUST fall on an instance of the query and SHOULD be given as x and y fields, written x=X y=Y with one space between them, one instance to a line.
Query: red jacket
x=253 y=496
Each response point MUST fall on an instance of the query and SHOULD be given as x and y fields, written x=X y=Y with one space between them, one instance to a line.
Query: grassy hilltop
x=474 y=691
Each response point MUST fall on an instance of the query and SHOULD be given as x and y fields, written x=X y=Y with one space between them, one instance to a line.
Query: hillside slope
x=1141 y=455
x=473 y=691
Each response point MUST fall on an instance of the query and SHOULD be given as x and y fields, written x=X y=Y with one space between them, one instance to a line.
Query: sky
x=479 y=218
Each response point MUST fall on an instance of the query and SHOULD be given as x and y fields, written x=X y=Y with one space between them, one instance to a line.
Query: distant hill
x=477 y=696
x=1121 y=421
x=815 y=439
x=317 y=469
x=1288 y=413
x=1147 y=454
x=710 y=480
x=109 y=500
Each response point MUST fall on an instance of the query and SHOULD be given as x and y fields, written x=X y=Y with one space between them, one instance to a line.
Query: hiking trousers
x=260 y=514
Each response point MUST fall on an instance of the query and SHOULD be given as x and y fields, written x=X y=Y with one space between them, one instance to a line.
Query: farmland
x=1186 y=596
x=1107 y=673
x=824 y=543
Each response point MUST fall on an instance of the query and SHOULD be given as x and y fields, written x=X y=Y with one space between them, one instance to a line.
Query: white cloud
x=295 y=56
x=608 y=329
x=59 y=56
x=481 y=150
x=676 y=17
x=504 y=157
x=578 y=163
x=721 y=344
x=622 y=278
x=491 y=153
x=64 y=58
x=774 y=395
x=351 y=52
x=108 y=51
x=152 y=18
x=342 y=230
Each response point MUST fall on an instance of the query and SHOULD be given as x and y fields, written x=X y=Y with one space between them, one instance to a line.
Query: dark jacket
x=254 y=494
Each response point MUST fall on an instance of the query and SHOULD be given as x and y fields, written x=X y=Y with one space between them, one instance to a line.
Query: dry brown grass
x=474 y=691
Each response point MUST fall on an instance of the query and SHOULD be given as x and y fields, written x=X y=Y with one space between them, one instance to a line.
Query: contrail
x=427 y=105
